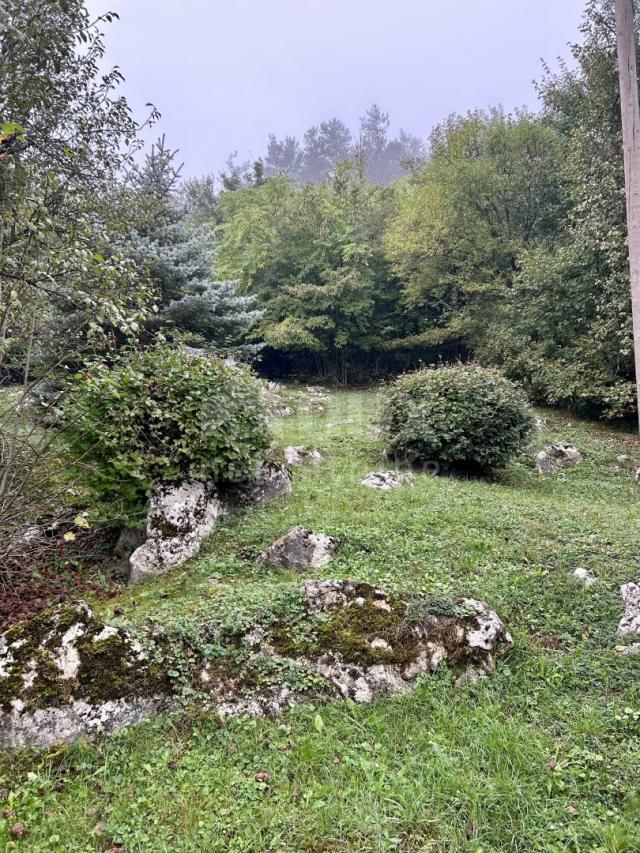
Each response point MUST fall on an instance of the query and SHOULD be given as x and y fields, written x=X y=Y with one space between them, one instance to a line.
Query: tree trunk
x=626 y=39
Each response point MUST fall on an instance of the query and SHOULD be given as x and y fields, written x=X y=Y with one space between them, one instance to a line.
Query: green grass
x=543 y=756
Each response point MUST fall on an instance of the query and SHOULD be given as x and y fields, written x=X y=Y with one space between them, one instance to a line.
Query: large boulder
x=66 y=674
x=557 y=456
x=179 y=518
x=630 y=621
x=365 y=643
x=301 y=549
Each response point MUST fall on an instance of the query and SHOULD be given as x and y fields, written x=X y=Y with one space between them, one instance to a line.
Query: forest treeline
x=505 y=242
x=502 y=239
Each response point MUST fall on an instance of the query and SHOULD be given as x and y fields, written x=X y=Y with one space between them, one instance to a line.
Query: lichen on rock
x=386 y=480
x=179 y=518
x=298 y=456
x=557 y=456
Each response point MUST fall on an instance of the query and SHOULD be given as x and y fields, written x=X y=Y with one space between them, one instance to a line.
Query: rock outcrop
x=557 y=456
x=630 y=622
x=301 y=549
x=386 y=480
x=65 y=674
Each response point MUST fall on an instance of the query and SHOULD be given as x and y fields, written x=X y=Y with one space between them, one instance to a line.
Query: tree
x=490 y=187
x=283 y=157
x=324 y=147
x=312 y=255
x=66 y=135
x=627 y=69
x=178 y=256
x=567 y=332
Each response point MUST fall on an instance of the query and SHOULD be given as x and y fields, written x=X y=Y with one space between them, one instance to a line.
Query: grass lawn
x=543 y=756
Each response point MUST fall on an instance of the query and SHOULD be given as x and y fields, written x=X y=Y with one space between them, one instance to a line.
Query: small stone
x=386 y=480
x=584 y=575
x=301 y=549
x=630 y=621
x=299 y=456
x=18 y=830
x=557 y=456
x=262 y=776
x=624 y=457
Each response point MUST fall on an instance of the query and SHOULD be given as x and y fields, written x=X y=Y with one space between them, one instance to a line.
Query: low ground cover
x=542 y=756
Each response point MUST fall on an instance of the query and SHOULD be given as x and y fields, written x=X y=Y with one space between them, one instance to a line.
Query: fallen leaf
x=262 y=776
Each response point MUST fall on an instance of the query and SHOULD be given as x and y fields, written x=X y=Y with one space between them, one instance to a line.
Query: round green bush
x=457 y=415
x=162 y=414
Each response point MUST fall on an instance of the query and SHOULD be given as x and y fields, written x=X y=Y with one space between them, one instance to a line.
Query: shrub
x=161 y=414
x=459 y=415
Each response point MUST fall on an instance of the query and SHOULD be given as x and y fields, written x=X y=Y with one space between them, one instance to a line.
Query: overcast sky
x=226 y=74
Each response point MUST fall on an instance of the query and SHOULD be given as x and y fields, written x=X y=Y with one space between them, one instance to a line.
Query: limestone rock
x=588 y=578
x=557 y=456
x=179 y=518
x=373 y=644
x=272 y=481
x=540 y=423
x=298 y=456
x=386 y=480
x=65 y=674
x=630 y=621
x=631 y=649
x=301 y=549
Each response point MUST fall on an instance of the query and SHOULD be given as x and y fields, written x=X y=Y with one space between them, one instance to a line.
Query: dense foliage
x=160 y=414
x=459 y=415
x=65 y=291
x=313 y=256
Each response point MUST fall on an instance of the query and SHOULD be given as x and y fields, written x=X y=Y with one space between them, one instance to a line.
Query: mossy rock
x=64 y=671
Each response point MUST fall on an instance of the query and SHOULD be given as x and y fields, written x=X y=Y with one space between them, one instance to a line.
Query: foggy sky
x=226 y=74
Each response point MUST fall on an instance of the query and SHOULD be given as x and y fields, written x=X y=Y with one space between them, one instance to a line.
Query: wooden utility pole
x=626 y=39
